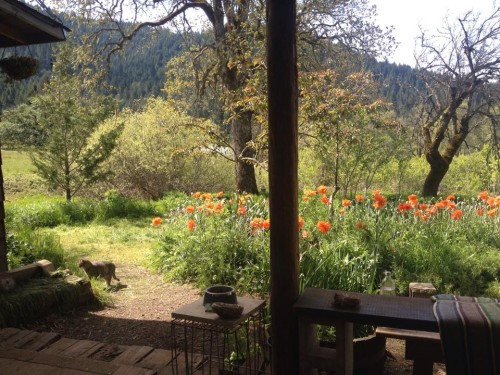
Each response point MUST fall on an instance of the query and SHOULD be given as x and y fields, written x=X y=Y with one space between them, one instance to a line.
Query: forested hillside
x=139 y=72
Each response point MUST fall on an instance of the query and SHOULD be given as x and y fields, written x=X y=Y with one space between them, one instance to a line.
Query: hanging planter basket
x=17 y=68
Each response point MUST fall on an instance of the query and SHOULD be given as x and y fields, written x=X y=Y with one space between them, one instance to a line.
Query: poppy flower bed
x=346 y=244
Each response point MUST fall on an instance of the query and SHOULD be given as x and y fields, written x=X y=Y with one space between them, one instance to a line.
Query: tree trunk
x=439 y=167
x=242 y=136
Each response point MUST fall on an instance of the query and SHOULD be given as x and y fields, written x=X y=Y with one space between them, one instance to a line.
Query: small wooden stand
x=226 y=346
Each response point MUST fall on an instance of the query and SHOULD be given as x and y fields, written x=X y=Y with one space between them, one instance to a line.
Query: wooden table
x=314 y=307
x=210 y=330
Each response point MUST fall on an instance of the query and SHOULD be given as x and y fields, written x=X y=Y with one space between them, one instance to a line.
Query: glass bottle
x=388 y=286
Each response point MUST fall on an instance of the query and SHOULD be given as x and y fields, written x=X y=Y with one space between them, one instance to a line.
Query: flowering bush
x=345 y=244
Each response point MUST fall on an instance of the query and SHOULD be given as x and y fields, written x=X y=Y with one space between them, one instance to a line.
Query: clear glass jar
x=388 y=286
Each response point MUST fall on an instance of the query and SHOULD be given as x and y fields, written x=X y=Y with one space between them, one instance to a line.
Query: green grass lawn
x=19 y=176
x=120 y=241
x=15 y=162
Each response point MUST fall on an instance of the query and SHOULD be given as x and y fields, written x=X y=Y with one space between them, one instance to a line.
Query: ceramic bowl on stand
x=219 y=293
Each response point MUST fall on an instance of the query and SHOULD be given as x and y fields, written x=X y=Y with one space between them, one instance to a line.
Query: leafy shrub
x=162 y=150
x=116 y=205
x=28 y=246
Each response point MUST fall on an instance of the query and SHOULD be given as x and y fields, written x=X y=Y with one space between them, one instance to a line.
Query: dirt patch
x=144 y=303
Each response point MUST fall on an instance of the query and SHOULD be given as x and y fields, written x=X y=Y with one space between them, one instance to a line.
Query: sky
x=407 y=15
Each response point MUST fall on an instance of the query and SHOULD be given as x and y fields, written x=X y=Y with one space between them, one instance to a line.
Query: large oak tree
x=233 y=32
x=461 y=67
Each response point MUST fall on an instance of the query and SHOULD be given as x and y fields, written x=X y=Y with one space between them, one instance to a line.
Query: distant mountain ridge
x=139 y=72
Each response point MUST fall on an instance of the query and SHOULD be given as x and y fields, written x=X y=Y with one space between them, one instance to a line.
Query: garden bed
x=33 y=294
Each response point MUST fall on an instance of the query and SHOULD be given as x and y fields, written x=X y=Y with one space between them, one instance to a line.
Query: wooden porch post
x=283 y=162
x=3 y=239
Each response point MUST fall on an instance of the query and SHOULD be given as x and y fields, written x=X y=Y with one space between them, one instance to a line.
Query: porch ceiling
x=22 y=25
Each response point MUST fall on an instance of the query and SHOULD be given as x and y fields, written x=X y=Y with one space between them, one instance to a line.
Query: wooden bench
x=314 y=307
x=423 y=348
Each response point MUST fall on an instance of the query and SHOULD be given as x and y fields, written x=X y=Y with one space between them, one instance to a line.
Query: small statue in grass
x=106 y=270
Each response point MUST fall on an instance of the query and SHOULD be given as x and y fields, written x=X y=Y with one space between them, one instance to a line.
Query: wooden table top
x=195 y=312
x=374 y=309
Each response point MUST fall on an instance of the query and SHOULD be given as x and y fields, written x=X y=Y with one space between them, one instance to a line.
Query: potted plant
x=17 y=68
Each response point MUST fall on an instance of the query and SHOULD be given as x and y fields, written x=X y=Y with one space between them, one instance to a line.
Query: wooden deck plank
x=16 y=337
x=58 y=361
x=5 y=333
x=26 y=340
x=59 y=346
x=80 y=348
x=16 y=367
x=92 y=350
x=196 y=361
x=131 y=370
x=43 y=340
x=156 y=359
x=133 y=354
x=108 y=352
x=10 y=366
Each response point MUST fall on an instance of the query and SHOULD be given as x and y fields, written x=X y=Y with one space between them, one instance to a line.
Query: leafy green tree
x=66 y=115
x=348 y=127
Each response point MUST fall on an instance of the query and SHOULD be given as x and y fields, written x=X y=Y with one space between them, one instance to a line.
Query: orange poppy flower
x=423 y=206
x=156 y=221
x=441 y=204
x=323 y=226
x=189 y=209
x=207 y=196
x=483 y=196
x=191 y=224
x=301 y=222
x=220 y=194
x=360 y=225
x=491 y=201
x=197 y=194
x=456 y=214
x=218 y=208
x=480 y=211
x=451 y=197
x=432 y=210
x=322 y=189
x=346 y=202
x=417 y=213
x=359 y=198
x=266 y=224
x=257 y=222
x=310 y=193
x=209 y=204
x=241 y=211
x=306 y=199
x=412 y=197
x=341 y=212
x=324 y=199
x=451 y=205
x=492 y=212
x=425 y=217
x=380 y=201
x=404 y=206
